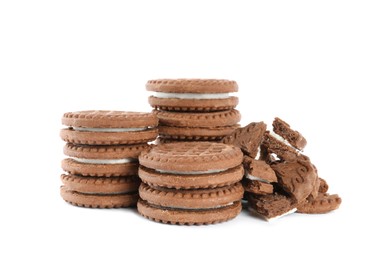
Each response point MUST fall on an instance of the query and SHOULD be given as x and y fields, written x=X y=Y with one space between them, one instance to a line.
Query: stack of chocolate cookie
x=103 y=149
x=283 y=180
x=194 y=109
x=191 y=183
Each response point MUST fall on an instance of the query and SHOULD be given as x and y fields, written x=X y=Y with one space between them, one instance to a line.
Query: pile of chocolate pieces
x=283 y=180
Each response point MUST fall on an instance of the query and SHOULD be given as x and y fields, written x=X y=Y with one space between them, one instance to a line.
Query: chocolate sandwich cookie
x=258 y=176
x=192 y=94
x=197 y=126
x=248 y=138
x=98 y=127
x=100 y=192
x=189 y=165
x=271 y=206
x=106 y=161
x=200 y=206
x=294 y=138
x=323 y=203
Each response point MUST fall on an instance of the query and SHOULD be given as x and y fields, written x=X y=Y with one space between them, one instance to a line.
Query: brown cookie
x=115 y=160
x=195 y=133
x=187 y=165
x=323 y=188
x=191 y=199
x=271 y=206
x=294 y=138
x=100 y=185
x=188 y=216
x=98 y=200
x=298 y=178
x=203 y=120
x=248 y=138
x=285 y=152
x=322 y=204
x=109 y=127
x=258 y=176
x=192 y=94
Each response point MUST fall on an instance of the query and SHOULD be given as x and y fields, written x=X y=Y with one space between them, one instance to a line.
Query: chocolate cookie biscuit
x=248 y=138
x=187 y=165
x=114 y=160
x=100 y=192
x=197 y=126
x=323 y=203
x=271 y=206
x=98 y=127
x=294 y=138
x=192 y=94
x=258 y=177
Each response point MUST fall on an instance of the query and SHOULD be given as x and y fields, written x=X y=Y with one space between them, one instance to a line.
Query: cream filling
x=191 y=95
x=284 y=214
x=105 y=161
x=280 y=138
x=254 y=178
x=109 y=130
x=192 y=172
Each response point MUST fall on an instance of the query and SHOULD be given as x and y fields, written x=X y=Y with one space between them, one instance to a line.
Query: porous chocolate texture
x=271 y=206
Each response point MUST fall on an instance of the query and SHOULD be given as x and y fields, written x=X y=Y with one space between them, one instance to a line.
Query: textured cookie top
x=192 y=85
x=192 y=157
x=104 y=151
x=211 y=119
x=109 y=119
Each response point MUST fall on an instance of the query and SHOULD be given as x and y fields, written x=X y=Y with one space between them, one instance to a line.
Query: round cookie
x=187 y=165
x=191 y=199
x=97 y=200
x=188 y=216
x=192 y=94
x=197 y=126
x=97 y=127
x=101 y=185
x=106 y=161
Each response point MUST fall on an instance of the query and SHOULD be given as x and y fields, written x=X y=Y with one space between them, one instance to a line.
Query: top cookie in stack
x=194 y=109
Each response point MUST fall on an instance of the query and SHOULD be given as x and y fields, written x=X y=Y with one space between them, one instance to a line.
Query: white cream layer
x=192 y=172
x=109 y=130
x=280 y=138
x=105 y=161
x=254 y=178
x=191 y=95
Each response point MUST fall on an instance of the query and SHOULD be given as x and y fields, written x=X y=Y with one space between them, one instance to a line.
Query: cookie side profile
x=192 y=94
x=258 y=177
x=98 y=127
x=271 y=206
x=188 y=216
x=294 y=138
x=324 y=203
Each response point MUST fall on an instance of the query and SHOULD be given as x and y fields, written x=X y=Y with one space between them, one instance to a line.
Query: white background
x=320 y=65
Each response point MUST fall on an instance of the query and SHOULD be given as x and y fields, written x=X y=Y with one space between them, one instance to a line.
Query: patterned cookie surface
x=100 y=185
x=98 y=201
x=191 y=199
x=191 y=156
x=195 y=133
x=186 y=216
x=322 y=204
x=192 y=85
x=191 y=181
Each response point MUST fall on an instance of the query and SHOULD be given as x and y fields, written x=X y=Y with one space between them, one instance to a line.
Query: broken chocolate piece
x=294 y=138
x=271 y=206
x=322 y=204
x=247 y=138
